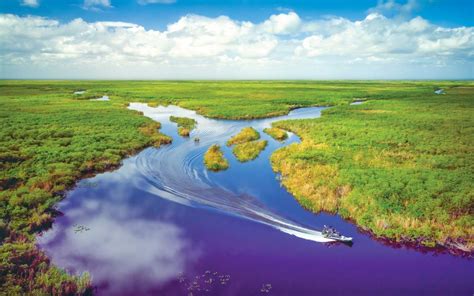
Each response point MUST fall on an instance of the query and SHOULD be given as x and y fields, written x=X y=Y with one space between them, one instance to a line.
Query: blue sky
x=157 y=16
x=260 y=39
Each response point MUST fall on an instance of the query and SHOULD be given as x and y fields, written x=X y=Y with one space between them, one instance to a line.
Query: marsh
x=162 y=222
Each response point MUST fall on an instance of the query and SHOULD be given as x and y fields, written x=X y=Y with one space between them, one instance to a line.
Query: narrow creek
x=163 y=224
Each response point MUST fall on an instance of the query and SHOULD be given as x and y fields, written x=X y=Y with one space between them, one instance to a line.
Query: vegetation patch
x=247 y=134
x=214 y=159
x=25 y=268
x=401 y=168
x=156 y=138
x=249 y=150
x=247 y=146
x=185 y=125
x=276 y=133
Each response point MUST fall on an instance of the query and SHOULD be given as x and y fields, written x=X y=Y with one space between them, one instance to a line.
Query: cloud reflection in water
x=120 y=248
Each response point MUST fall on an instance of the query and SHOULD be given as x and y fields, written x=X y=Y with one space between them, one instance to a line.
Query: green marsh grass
x=401 y=168
x=276 y=133
x=185 y=125
x=214 y=159
x=245 y=135
x=249 y=150
x=246 y=147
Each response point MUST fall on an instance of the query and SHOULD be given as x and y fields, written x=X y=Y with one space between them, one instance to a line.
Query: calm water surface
x=164 y=225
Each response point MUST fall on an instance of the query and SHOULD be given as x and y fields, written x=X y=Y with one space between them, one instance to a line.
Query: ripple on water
x=178 y=170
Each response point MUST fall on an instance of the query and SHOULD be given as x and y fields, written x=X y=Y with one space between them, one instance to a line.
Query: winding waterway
x=162 y=224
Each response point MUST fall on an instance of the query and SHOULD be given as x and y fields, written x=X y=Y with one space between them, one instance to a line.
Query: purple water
x=163 y=225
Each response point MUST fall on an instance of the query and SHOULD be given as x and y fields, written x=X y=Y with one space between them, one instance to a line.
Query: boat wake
x=176 y=173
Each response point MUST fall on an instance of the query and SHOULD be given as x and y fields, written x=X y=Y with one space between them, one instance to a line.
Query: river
x=162 y=224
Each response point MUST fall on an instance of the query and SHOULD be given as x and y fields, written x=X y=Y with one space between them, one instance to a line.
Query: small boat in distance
x=196 y=140
x=331 y=233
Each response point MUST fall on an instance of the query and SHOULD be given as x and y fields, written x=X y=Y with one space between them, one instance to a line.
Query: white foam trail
x=170 y=172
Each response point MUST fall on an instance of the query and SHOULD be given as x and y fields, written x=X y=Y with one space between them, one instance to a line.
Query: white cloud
x=30 y=3
x=96 y=4
x=197 y=36
x=382 y=37
x=283 y=46
x=285 y=23
x=146 y=2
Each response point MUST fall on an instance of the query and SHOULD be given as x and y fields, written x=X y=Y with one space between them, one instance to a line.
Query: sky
x=236 y=39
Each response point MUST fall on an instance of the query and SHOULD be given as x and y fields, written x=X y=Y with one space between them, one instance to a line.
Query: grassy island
x=247 y=146
x=185 y=125
x=249 y=150
x=214 y=159
x=247 y=134
x=276 y=133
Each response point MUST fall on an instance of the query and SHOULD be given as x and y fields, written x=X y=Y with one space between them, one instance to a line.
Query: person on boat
x=326 y=230
x=329 y=231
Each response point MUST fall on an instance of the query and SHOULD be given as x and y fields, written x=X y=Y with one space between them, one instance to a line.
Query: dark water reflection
x=163 y=225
